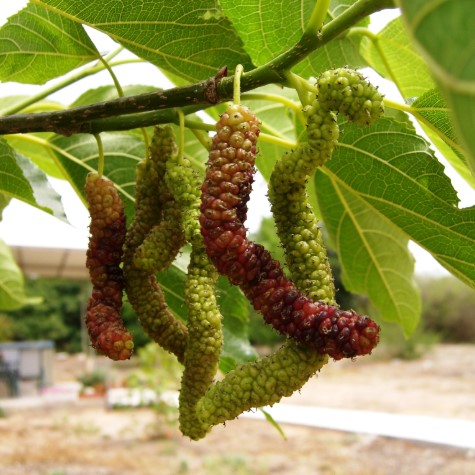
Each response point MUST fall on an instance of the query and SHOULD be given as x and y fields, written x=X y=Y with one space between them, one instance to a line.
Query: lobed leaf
x=37 y=44
x=22 y=179
x=192 y=40
x=443 y=30
x=395 y=173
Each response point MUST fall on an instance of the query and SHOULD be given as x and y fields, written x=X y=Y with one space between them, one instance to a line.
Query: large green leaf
x=433 y=114
x=373 y=253
x=37 y=45
x=268 y=28
x=391 y=54
x=12 y=294
x=443 y=30
x=393 y=170
x=22 y=179
x=190 y=39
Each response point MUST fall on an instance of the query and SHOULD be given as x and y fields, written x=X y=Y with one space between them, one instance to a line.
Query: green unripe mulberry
x=338 y=91
x=165 y=238
x=347 y=92
x=297 y=225
x=204 y=343
x=163 y=241
x=142 y=289
x=205 y=338
x=260 y=383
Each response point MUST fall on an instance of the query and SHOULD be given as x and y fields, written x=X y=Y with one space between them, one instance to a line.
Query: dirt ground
x=84 y=438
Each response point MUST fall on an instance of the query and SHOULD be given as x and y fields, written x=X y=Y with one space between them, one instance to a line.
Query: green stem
x=277 y=141
x=300 y=85
x=120 y=93
x=202 y=139
x=374 y=38
x=181 y=141
x=254 y=96
x=317 y=19
x=361 y=31
x=100 y=153
x=117 y=85
x=398 y=106
x=296 y=107
x=237 y=84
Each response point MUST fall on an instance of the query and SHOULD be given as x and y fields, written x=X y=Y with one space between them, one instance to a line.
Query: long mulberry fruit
x=339 y=90
x=106 y=330
x=259 y=383
x=205 y=338
x=225 y=192
x=141 y=286
x=204 y=343
x=165 y=236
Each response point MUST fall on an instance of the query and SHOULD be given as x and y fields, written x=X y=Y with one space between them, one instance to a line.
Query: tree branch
x=148 y=109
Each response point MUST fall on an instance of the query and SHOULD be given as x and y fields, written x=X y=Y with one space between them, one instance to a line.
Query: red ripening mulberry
x=225 y=192
x=107 y=234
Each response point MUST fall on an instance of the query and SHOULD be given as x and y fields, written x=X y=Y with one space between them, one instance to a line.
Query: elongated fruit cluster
x=143 y=290
x=341 y=90
x=225 y=193
x=165 y=236
x=106 y=330
x=260 y=383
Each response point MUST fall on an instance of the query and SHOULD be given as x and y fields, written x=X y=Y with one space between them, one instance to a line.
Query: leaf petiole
x=317 y=18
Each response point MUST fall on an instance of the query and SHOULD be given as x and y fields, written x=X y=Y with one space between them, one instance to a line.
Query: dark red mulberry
x=249 y=265
x=107 y=233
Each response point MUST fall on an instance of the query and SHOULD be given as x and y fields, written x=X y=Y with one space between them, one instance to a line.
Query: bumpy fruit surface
x=346 y=91
x=106 y=330
x=166 y=236
x=260 y=383
x=300 y=236
x=163 y=241
x=339 y=90
x=142 y=289
x=225 y=193
x=204 y=343
x=205 y=338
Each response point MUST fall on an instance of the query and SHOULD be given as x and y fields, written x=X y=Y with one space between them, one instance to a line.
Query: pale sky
x=26 y=226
